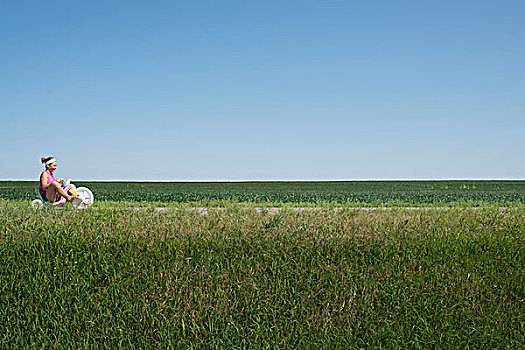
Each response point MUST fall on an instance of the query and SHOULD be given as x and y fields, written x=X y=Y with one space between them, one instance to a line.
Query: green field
x=343 y=192
x=450 y=275
x=235 y=278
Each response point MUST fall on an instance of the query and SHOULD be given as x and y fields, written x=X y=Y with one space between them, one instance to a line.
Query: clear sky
x=239 y=90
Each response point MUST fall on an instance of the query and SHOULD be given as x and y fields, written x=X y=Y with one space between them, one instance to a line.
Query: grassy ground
x=237 y=278
x=341 y=192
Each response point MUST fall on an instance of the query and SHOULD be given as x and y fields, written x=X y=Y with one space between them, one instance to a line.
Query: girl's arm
x=43 y=180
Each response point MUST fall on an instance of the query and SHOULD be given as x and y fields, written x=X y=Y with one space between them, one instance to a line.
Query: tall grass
x=117 y=278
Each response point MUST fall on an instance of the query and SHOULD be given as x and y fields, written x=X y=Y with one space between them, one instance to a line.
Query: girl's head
x=50 y=163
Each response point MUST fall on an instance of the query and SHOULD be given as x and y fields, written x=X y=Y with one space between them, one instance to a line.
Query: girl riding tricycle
x=57 y=192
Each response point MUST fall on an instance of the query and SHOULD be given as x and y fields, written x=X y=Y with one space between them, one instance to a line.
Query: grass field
x=344 y=192
x=115 y=277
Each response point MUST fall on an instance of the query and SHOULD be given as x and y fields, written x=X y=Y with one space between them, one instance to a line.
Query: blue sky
x=240 y=90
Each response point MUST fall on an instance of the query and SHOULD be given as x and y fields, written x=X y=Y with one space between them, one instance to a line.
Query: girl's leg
x=51 y=193
x=54 y=187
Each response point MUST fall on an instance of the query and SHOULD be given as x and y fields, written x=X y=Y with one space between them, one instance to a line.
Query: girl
x=51 y=188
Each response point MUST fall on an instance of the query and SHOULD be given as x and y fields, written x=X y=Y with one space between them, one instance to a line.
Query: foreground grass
x=236 y=278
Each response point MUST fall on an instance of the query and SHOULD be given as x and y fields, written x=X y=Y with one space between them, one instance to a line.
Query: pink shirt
x=50 y=179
